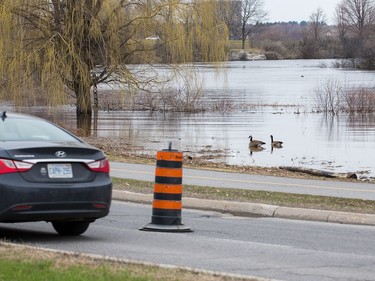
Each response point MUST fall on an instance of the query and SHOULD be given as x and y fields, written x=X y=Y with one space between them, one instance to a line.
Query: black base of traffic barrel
x=166 y=228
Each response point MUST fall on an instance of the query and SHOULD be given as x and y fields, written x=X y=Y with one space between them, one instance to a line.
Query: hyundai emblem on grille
x=60 y=154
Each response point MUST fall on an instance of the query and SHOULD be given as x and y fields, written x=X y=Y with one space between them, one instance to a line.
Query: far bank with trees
x=56 y=50
x=350 y=37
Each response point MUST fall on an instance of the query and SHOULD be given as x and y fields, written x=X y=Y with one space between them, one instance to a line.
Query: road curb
x=325 y=216
x=255 y=209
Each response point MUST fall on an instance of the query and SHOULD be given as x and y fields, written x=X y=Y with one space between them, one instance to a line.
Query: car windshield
x=25 y=129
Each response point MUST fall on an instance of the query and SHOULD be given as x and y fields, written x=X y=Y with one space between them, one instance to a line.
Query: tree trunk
x=243 y=43
x=83 y=107
x=84 y=125
x=243 y=37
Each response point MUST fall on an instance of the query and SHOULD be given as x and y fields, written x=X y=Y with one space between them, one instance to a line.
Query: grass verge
x=264 y=197
x=33 y=264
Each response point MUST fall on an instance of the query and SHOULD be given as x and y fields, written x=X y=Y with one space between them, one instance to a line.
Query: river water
x=271 y=97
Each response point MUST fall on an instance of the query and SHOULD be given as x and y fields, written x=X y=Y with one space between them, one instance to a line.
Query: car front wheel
x=71 y=228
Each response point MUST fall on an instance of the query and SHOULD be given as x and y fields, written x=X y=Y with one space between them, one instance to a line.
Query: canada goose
x=255 y=149
x=255 y=143
x=277 y=144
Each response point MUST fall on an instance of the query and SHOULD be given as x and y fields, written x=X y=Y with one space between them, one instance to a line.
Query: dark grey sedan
x=48 y=174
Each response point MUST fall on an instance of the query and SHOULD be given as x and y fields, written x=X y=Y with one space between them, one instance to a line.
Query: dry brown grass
x=66 y=260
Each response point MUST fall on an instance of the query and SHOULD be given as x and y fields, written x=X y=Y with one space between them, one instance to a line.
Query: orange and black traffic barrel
x=167 y=203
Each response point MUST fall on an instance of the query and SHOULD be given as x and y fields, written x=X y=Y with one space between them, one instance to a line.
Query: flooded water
x=277 y=98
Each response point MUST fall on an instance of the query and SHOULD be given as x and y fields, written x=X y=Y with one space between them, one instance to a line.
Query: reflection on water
x=338 y=143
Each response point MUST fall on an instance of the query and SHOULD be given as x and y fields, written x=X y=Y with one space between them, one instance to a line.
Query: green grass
x=237 y=44
x=34 y=264
x=265 y=197
x=46 y=270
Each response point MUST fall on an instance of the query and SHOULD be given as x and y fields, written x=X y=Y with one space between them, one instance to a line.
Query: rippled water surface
x=341 y=143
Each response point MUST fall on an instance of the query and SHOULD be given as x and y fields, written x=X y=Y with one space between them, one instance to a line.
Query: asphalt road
x=359 y=190
x=281 y=249
x=266 y=247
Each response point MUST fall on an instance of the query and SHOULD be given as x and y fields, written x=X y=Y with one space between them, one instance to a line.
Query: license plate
x=60 y=171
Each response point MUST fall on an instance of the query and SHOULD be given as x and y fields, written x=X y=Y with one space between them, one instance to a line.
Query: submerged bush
x=360 y=100
x=328 y=96
x=332 y=97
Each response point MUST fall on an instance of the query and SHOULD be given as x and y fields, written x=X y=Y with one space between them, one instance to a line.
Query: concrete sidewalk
x=255 y=210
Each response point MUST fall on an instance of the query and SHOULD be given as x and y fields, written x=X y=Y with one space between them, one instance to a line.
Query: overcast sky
x=298 y=10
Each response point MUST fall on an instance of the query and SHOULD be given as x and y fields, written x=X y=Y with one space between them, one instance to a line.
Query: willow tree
x=52 y=49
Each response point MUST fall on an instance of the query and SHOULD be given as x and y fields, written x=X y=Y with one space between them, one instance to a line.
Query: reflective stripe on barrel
x=167 y=205
x=166 y=155
x=167 y=192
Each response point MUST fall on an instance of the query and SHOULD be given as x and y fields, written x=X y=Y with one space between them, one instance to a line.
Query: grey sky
x=298 y=10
